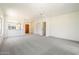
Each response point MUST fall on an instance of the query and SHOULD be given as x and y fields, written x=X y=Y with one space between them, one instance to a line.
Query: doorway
x=44 y=28
x=27 y=28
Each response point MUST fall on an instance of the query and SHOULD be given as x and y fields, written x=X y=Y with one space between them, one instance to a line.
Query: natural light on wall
x=11 y=13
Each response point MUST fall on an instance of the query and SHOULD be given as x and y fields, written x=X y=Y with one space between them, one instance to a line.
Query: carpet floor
x=38 y=45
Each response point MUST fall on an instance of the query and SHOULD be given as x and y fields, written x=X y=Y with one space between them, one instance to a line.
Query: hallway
x=38 y=45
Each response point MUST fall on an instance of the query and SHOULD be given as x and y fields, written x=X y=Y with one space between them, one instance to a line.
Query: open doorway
x=27 y=28
x=44 y=28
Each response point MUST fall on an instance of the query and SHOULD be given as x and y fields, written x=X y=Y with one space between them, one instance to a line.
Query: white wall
x=38 y=27
x=64 y=26
x=1 y=23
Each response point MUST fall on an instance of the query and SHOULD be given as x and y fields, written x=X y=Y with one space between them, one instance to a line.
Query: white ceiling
x=29 y=10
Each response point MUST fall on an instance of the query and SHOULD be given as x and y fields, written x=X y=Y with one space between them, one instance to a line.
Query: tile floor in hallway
x=38 y=45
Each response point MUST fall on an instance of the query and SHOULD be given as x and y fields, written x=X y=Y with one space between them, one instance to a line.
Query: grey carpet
x=38 y=45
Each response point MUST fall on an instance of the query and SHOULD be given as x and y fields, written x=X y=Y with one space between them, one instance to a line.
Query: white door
x=0 y=30
x=0 y=27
